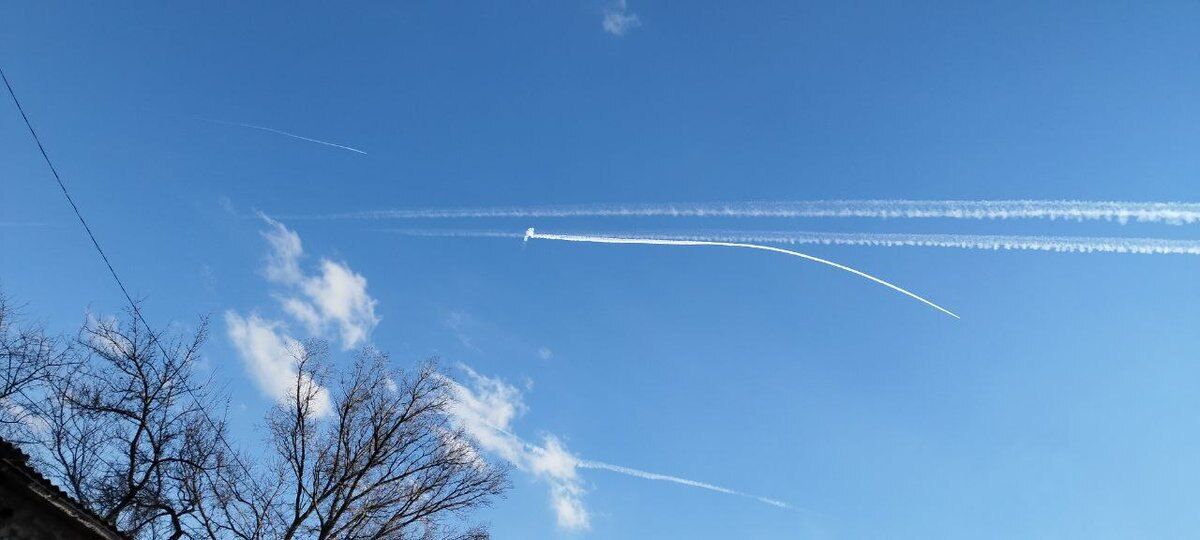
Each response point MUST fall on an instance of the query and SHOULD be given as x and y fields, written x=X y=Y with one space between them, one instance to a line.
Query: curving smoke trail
x=284 y=133
x=1123 y=212
x=531 y=234
x=587 y=464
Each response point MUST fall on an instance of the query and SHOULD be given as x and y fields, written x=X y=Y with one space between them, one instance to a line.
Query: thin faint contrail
x=1071 y=210
x=587 y=464
x=600 y=465
x=531 y=234
x=284 y=133
x=1059 y=244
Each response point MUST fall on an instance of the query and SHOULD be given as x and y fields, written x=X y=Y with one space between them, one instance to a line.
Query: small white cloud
x=618 y=20
x=270 y=356
x=545 y=353
x=485 y=411
x=283 y=259
x=11 y=411
x=558 y=466
x=334 y=297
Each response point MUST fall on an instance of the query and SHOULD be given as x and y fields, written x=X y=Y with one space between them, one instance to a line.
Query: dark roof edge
x=12 y=457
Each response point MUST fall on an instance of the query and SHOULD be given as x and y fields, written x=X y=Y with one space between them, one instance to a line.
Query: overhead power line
x=137 y=312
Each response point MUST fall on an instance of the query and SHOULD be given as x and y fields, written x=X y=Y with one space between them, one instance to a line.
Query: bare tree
x=124 y=425
x=373 y=457
x=28 y=359
x=125 y=429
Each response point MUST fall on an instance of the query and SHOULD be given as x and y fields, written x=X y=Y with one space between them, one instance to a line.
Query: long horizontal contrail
x=1059 y=244
x=286 y=134
x=587 y=464
x=531 y=234
x=1153 y=212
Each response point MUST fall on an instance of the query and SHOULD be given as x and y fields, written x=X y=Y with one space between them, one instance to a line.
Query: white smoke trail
x=1123 y=212
x=587 y=464
x=1058 y=244
x=284 y=133
x=530 y=234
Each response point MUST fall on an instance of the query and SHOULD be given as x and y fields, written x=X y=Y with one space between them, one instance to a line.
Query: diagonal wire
x=137 y=312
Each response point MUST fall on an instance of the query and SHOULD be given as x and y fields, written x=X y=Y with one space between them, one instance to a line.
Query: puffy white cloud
x=283 y=259
x=558 y=466
x=333 y=297
x=270 y=357
x=618 y=20
x=486 y=409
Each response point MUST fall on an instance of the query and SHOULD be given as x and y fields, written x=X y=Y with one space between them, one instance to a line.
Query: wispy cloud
x=333 y=297
x=618 y=20
x=457 y=321
x=284 y=133
x=333 y=300
x=270 y=355
x=485 y=408
x=1122 y=212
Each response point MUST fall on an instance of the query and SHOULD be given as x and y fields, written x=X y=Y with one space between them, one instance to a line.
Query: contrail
x=284 y=133
x=1071 y=210
x=530 y=234
x=587 y=464
x=1059 y=244
x=600 y=465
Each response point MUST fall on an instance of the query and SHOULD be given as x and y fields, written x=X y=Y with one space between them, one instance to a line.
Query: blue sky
x=1062 y=404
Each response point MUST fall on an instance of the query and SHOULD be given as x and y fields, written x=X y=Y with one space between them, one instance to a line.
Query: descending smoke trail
x=1161 y=212
x=1059 y=244
x=286 y=134
x=586 y=464
x=530 y=234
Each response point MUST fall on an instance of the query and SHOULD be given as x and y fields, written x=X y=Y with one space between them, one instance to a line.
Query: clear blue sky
x=1063 y=404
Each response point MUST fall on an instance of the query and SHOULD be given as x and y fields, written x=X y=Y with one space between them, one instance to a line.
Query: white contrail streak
x=286 y=134
x=1059 y=244
x=600 y=465
x=587 y=464
x=530 y=234
x=1123 y=212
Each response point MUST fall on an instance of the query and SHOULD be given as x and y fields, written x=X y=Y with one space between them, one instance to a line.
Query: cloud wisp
x=531 y=234
x=270 y=354
x=1177 y=213
x=335 y=297
x=332 y=301
x=485 y=409
x=285 y=134
x=618 y=20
